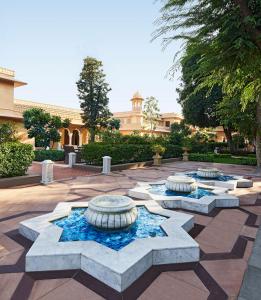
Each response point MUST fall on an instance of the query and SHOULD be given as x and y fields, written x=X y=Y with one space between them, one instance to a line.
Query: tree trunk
x=258 y=134
x=92 y=135
x=228 y=134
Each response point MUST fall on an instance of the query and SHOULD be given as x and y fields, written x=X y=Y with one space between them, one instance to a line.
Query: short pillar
x=106 y=167
x=59 y=146
x=47 y=171
x=72 y=159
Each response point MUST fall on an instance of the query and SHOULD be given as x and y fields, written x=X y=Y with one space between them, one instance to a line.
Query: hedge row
x=207 y=147
x=123 y=153
x=15 y=158
x=223 y=158
x=54 y=155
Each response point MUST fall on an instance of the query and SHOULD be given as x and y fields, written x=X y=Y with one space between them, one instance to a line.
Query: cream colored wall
x=21 y=132
x=6 y=95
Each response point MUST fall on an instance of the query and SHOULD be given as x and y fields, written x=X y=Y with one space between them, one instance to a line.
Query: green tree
x=92 y=92
x=8 y=133
x=151 y=112
x=200 y=104
x=179 y=132
x=43 y=127
x=227 y=33
x=114 y=124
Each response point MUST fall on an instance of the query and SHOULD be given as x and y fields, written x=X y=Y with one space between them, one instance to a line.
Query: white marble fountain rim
x=181 y=179
x=118 y=204
x=118 y=269
x=238 y=181
x=205 y=204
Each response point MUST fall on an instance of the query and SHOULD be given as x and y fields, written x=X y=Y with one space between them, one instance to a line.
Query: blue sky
x=45 y=43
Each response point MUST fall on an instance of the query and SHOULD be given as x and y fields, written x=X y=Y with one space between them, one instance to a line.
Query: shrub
x=123 y=153
x=158 y=149
x=172 y=151
x=55 y=155
x=15 y=158
x=206 y=147
x=223 y=158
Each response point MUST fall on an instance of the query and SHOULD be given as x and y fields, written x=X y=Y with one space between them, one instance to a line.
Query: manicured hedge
x=55 y=155
x=207 y=147
x=15 y=158
x=223 y=158
x=123 y=153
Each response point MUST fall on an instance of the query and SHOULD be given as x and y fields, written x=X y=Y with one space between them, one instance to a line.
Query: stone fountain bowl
x=111 y=212
x=182 y=184
x=208 y=173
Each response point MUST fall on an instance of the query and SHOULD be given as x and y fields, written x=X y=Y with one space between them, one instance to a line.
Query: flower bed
x=124 y=153
x=223 y=158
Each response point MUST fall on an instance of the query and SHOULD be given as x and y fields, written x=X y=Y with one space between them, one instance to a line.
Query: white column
x=47 y=171
x=80 y=139
x=106 y=167
x=59 y=146
x=72 y=159
x=70 y=138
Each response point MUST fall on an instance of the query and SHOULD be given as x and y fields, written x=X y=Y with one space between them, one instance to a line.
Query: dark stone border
x=127 y=166
x=251 y=286
x=19 y=180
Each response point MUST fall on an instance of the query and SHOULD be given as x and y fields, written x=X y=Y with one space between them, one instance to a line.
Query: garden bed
x=223 y=158
x=119 y=167
x=19 y=180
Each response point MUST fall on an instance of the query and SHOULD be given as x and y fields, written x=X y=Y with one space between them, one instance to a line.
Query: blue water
x=76 y=228
x=219 y=178
x=160 y=189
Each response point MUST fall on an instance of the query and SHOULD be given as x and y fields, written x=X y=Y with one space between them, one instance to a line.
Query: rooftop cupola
x=137 y=102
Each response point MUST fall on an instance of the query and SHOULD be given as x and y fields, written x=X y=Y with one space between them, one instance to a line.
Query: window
x=167 y=123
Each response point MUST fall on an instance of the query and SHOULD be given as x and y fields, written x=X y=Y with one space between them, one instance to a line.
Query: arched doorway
x=75 y=138
x=66 y=139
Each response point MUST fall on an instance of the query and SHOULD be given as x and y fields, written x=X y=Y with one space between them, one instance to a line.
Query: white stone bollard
x=72 y=159
x=106 y=167
x=47 y=171
x=59 y=146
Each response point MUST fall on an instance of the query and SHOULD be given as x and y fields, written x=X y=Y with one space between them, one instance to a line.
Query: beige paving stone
x=8 y=284
x=43 y=287
x=227 y=273
x=165 y=287
x=71 y=290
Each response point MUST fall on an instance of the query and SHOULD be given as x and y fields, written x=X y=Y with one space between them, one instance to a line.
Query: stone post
x=72 y=159
x=106 y=167
x=47 y=171
x=59 y=146
x=80 y=139
x=70 y=138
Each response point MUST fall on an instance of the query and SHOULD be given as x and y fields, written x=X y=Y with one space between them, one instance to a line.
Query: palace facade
x=11 y=110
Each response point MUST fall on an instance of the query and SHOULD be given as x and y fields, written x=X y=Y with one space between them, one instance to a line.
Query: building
x=11 y=110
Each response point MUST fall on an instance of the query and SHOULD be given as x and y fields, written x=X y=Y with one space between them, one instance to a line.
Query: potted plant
x=158 y=150
x=186 y=146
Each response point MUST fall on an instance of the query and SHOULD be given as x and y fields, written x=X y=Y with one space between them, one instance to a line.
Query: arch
x=66 y=138
x=75 y=137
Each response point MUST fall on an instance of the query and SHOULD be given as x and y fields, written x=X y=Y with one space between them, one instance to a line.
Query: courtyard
x=225 y=237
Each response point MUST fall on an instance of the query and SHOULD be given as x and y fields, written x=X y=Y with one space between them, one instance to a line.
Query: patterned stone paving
x=225 y=237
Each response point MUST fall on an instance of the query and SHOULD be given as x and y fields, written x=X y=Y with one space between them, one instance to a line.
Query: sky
x=45 y=42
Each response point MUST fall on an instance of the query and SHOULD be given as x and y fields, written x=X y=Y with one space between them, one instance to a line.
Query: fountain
x=111 y=212
x=182 y=184
x=208 y=173
x=184 y=191
x=112 y=238
x=214 y=177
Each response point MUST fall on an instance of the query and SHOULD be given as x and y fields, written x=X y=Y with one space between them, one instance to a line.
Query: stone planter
x=157 y=159
x=208 y=173
x=185 y=153
x=182 y=184
x=111 y=212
